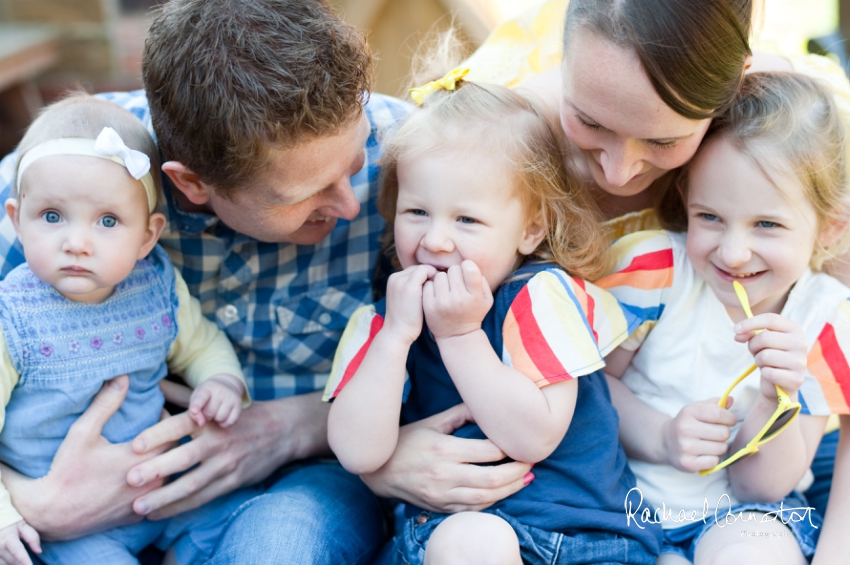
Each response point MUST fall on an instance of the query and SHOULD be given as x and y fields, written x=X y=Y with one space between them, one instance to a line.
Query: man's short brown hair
x=227 y=80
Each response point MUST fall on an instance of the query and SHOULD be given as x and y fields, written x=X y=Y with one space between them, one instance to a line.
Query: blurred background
x=48 y=46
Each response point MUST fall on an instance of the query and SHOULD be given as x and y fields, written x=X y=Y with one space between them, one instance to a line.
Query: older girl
x=766 y=203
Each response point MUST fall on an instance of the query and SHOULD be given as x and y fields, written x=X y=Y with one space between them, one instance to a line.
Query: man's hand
x=696 y=438
x=433 y=469
x=86 y=489
x=266 y=436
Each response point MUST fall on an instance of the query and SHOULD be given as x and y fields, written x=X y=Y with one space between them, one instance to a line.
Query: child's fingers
x=197 y=404
x=697 y=436
x=769 y=321
x=29 y=535
x=704 y=462
x=424 y=272
x=223 y=412
x=19 y=553
x=440 y=284
x=793 y=338
x=779 y=359
x=233 y=416
x=691 y=455
x=200 y=397
x=488 y=294
x=212 y=407
x=774 y=339
x=428 y=295
x=709 y=412
x=472 y=278
x=456 y=279
x=789 y=381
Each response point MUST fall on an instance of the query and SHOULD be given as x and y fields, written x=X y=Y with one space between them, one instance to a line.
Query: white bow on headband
x=108 y=145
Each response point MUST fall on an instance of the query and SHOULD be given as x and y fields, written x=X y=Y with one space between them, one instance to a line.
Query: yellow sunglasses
x=785 y=412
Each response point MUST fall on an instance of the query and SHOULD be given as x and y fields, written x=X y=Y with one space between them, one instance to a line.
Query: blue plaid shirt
x=284 y=306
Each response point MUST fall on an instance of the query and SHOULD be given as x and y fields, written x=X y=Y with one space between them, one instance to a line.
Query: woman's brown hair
x=693 y=51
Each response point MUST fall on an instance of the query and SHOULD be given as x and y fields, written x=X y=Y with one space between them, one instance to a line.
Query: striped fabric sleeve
x=558 y=328
x=640 y=275
x=828 y=363
x=356 y=339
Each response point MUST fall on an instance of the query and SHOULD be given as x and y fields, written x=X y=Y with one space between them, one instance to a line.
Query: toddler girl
x=489 y=233
x=97 y=298
x=766 y=200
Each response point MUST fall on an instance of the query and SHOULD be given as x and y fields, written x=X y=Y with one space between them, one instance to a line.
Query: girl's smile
x=742 y=227
x=458 y=205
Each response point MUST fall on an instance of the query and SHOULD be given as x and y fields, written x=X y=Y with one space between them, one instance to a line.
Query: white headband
x=108 y=145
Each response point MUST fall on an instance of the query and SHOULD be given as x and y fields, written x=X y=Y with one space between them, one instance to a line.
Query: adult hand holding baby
x=100 y=498
x=226 y=458
x=436 y=471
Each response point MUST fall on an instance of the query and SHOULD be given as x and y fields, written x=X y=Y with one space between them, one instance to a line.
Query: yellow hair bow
x=448 y=82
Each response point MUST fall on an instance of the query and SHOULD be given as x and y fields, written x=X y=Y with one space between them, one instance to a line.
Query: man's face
x=302 y=192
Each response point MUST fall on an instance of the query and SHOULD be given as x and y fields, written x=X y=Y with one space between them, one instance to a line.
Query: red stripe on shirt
x=652 y=261
x=374 y=328
x=836 y=361
x=533 y=340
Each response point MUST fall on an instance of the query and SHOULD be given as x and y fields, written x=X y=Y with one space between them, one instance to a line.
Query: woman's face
x=627 y=135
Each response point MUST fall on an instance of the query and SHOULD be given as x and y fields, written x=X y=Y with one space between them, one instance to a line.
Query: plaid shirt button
x=230 y=313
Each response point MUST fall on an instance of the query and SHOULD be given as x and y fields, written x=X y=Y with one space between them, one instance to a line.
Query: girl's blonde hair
x=83 y=115
x=790 y=127
x=500 y=122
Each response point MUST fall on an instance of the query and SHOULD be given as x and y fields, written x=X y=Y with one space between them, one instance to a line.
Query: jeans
x=314 y=513
x=537 y=546
x=194 y=535
x=818 y=493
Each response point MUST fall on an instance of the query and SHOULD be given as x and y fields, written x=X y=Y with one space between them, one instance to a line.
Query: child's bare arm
x=218 y=399
x=780 y=353
x=526 y=422
x=834 y=543
x=12 y=551
x=693 y=440
x=364 y=418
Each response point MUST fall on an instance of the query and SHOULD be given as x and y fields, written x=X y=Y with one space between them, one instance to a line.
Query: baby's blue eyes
x=767 y=224
x=709 y=217
x=52 y=217
x=466 y=220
